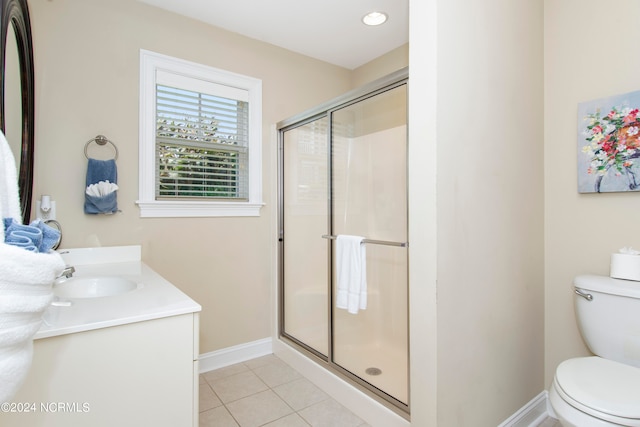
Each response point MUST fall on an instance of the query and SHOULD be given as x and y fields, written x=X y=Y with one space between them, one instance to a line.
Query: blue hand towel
x=101 y=170
x=36 y=237
x=22 y=236
x=50 y=235
x=103 y=204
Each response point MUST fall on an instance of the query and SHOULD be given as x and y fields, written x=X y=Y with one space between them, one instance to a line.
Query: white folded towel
x=101 y=189
x=9 y=194
x=26 y=280
x=351 y=266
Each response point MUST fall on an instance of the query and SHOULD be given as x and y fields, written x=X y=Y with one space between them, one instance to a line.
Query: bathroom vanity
x=109 y=354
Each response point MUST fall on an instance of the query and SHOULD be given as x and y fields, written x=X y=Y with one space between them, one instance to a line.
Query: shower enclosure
x=343 y=171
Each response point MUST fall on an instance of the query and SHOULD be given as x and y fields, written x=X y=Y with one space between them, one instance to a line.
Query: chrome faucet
x=67 y=272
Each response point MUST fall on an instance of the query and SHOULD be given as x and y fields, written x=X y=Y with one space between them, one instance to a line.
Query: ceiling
x=328 y=30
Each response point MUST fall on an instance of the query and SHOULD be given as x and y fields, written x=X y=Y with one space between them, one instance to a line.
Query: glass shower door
x=305 y=299
x=342 y=171
x=369 y=199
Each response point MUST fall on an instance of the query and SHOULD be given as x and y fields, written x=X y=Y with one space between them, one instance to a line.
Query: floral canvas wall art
x=609 y=144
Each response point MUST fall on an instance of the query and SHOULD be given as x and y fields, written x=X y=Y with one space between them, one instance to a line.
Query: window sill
x=182 y=209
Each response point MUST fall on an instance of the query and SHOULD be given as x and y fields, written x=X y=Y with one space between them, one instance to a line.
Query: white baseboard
x=531 y=414
x=236 y=354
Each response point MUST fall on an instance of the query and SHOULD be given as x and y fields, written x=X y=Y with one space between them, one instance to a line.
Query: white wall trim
x=236 y=354
x=154 y=66
x=193 y=209
x=531 y=414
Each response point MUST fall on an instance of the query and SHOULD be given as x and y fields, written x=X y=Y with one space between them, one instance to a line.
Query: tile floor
x=267 y=392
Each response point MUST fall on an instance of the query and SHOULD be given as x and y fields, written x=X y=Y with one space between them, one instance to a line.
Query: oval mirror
x=17 y=93
x=12 y=97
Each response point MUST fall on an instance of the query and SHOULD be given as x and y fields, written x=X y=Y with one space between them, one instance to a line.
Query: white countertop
x=154 y=298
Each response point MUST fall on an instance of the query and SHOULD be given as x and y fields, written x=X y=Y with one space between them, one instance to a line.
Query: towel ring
x=100 y=140
x=55 y=224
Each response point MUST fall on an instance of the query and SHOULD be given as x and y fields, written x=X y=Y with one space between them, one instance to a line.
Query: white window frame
x=150 y=64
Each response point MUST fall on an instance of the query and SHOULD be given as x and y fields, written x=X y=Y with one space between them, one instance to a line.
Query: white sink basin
x=93 y=287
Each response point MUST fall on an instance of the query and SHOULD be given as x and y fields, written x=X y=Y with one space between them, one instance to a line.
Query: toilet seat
x=602 y=388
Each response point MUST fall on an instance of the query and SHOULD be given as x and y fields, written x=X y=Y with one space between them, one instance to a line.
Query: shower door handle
x=375 y=242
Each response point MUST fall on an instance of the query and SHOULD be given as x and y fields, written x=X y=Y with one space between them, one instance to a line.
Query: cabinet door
x=131 y=375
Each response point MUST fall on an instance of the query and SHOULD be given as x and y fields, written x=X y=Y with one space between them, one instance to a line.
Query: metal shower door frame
x=326 y=110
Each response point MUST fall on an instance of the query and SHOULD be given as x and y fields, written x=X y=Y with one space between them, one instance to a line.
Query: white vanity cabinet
x=129 y=359
x=137 y=374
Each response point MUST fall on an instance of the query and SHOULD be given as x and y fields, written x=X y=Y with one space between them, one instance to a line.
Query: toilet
x=602 y=390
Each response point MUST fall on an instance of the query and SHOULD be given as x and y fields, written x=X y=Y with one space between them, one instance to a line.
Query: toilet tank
x=610 y=320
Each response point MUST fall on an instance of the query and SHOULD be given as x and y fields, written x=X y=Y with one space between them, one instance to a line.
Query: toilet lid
x=603 y=385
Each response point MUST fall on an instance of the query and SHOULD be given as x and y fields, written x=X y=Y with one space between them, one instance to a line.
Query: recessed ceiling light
x=374 y=18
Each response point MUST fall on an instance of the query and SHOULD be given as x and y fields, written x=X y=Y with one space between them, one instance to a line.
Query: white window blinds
x=202 y=142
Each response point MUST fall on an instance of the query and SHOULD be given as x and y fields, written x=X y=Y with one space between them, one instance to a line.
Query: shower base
x=373 y=410
x=382 y=366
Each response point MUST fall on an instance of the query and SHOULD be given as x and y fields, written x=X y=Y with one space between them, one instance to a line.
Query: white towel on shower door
x=351 y=273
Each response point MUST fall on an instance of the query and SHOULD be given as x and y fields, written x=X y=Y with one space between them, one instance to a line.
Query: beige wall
x=423 y=237
x=86 y=59
x=476 y=119
x=586 y=58
x=488 y=85
x=381 y=66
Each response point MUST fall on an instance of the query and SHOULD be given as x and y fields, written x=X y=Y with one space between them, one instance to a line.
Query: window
x=200 y=140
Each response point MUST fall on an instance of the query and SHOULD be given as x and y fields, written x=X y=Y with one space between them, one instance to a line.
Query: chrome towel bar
x=374 y=242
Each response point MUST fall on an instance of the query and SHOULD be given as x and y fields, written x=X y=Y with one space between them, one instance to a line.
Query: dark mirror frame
x=15 y=16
